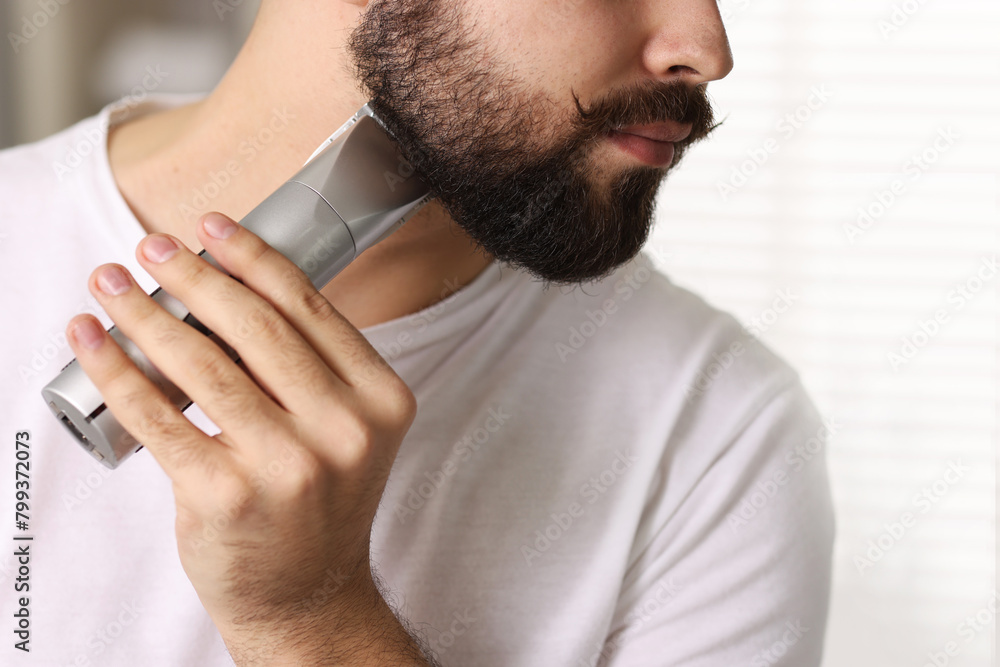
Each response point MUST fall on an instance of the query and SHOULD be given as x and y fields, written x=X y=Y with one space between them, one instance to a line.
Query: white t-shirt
x=616 y=474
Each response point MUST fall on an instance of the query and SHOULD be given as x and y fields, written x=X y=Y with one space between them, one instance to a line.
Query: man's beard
x=504 y=161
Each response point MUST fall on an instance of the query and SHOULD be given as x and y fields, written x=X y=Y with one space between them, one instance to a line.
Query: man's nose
x=685 y=40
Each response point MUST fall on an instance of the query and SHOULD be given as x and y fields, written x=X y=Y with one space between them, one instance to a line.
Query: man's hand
x=274 y=514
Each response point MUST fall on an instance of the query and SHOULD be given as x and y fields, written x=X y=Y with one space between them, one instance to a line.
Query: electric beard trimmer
x=354 y=191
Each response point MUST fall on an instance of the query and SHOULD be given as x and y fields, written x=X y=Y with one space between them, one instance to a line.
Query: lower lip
x=648 y=151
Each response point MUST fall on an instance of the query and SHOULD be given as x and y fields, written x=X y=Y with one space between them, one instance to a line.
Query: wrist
x=354 y=627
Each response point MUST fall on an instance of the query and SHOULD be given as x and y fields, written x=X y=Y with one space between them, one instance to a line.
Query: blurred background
x=854 y=187
x=858 y=171
x=63 y=60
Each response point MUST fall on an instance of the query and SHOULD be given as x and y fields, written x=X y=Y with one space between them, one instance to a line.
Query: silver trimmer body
x=353 y=192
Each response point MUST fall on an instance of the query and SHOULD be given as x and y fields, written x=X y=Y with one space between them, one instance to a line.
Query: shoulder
x=694 y=357
x=54 y=158
x=70 y=163
x=739 y=468
x=687 y=383
x=46 y=175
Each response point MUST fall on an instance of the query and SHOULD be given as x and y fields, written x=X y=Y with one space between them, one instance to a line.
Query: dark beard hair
x=509 y=173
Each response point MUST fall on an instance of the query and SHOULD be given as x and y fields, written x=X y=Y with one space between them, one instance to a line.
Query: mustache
x=649 y=103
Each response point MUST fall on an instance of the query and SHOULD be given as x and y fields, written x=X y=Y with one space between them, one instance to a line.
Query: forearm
x=362 y=633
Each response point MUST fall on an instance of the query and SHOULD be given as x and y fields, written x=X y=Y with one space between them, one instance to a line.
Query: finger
x=265 y=270
x=185 y=453
x=199 y=367
x=281 y=361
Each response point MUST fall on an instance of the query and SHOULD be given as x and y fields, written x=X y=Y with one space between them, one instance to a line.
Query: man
x=438 y=459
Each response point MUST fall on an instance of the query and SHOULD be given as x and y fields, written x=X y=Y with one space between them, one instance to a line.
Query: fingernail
x=218 y=226
x=158 y=249
x=113 y=281
x=88 y=334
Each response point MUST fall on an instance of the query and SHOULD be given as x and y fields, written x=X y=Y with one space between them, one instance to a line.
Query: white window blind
x=834 y=108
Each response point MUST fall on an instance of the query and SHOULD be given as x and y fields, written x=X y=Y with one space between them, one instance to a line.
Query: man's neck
x=281 y=98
